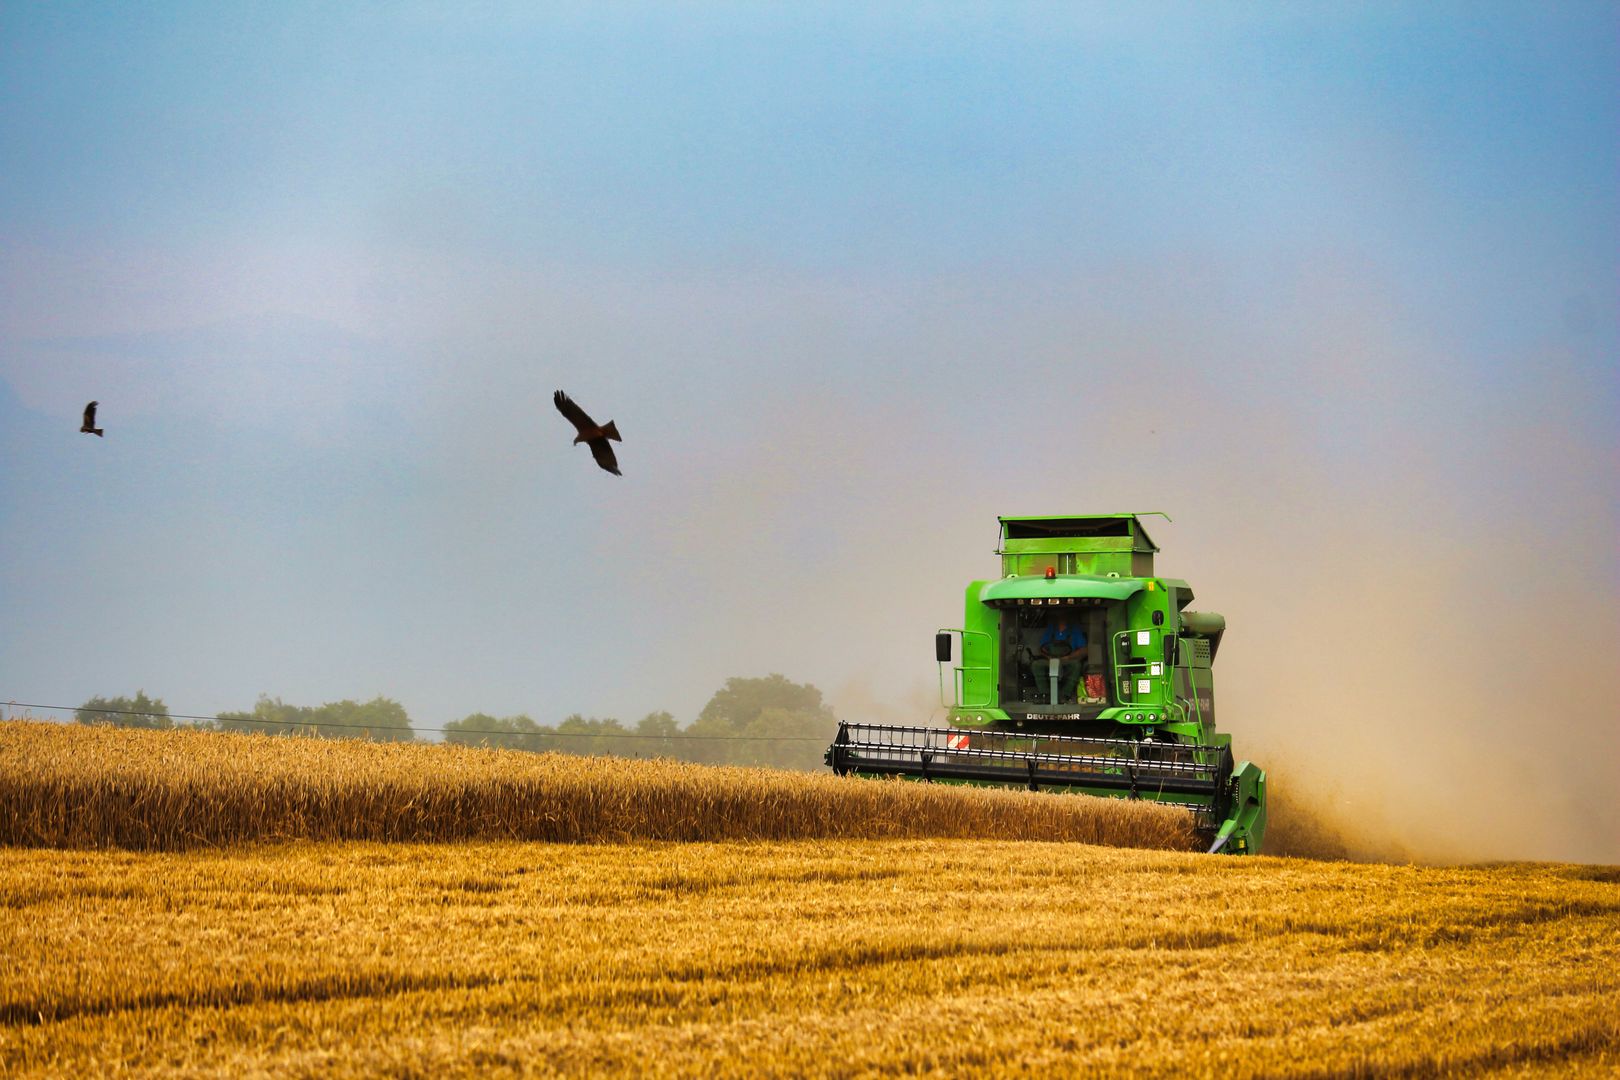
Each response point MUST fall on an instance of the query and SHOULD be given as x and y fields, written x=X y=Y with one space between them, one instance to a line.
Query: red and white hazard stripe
x=956 y=740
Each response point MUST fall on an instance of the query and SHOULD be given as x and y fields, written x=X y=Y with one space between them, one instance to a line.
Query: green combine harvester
x=1081 y=671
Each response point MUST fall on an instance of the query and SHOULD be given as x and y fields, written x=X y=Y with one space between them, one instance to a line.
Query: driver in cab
x=1063 y=644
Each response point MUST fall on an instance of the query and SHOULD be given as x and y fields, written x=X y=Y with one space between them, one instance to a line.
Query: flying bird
x=594 y=437
x=89 y=425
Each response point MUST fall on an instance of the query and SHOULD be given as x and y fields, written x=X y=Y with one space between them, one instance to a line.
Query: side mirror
x=942 y=647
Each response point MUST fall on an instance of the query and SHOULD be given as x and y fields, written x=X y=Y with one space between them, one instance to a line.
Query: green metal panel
x=980 y=657
x=1244 y=829
x=980 y=718
x=1142 y=676
x=1078 y=586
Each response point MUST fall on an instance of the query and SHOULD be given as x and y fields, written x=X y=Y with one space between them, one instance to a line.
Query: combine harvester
x=1081 y=671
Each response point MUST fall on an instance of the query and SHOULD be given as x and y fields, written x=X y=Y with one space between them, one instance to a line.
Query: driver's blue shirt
x=1073 y=635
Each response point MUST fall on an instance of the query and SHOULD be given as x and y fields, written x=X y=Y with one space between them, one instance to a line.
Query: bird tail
x=611 y=431
x=98 y=431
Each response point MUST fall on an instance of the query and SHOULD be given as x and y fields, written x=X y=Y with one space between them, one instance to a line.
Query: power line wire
x=541 y=733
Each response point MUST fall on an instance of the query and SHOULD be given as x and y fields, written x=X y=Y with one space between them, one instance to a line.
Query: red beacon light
x=1051 y=572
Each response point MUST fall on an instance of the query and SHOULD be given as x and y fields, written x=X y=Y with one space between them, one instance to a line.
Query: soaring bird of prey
x=89 y=425
x=594 y=437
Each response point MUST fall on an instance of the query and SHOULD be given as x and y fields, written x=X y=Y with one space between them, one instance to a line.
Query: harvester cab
x=1079 y=669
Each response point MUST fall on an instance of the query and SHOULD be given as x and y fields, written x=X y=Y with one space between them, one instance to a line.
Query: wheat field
x=820 y=956
x=68 y=785
x=798 y=958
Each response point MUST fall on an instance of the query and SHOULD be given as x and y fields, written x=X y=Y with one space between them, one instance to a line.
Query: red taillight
x=1051 y=572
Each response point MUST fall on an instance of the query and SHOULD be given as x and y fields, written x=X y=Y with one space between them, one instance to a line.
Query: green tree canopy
x=654 y=736
x=505 y=733
x=381 y=719
x=269 y=716
x=657 y=733
x=770 y=721
x=660 y=724
x=788 y=739
x=580 y=735
x=139 y=711
x=740 y=702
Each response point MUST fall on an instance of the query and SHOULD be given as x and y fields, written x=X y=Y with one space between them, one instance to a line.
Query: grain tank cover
x=1109 y=544
x=1039 y=589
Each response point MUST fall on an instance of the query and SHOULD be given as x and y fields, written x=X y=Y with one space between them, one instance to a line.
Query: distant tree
x=139 y=711
x=481 y=729
x=269 y=716
x=769 y=721
x=657 y=733
x=657 y=723
x=380 y=719
x=789 y=738
x=578 y=735
x=739 y=703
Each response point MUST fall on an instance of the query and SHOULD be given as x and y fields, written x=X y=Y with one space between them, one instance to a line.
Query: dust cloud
x=1420 y=601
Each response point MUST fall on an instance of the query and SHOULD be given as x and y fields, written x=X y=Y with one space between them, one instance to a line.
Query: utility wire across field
x=414 y=728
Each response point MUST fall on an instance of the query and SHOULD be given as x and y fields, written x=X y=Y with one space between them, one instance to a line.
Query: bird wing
x=602 y=451
x=90 y=415
x=574 y=413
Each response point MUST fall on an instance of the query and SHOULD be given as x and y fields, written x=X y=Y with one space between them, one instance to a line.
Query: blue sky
x=1335 y=286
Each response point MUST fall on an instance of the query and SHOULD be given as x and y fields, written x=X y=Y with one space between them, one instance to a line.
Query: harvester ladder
x=960 y=670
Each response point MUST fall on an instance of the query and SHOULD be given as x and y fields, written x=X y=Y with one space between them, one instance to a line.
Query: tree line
x=768 y=721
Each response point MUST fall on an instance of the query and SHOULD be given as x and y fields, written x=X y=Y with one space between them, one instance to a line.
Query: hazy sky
x=1335 y=286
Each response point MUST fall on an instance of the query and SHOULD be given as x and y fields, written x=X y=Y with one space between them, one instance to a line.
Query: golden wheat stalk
x=91 y=786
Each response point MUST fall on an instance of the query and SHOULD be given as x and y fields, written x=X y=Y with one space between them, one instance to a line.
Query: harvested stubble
x=841 y=958
x=78 y=786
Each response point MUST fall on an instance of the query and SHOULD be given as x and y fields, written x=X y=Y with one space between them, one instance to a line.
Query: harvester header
x=1080 y=670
